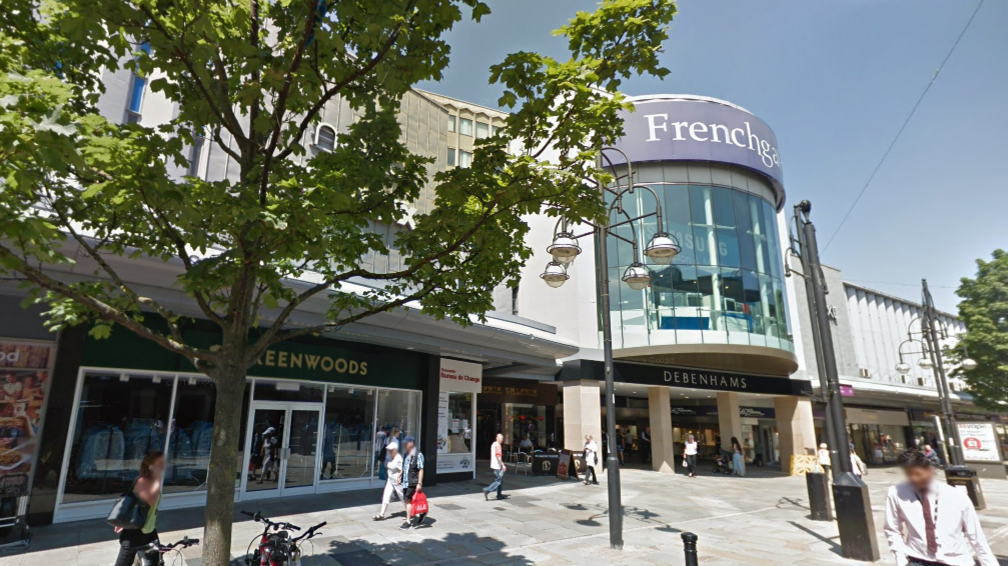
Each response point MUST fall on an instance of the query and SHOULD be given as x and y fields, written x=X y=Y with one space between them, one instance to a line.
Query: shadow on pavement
x=453 y=547
x=834 y=547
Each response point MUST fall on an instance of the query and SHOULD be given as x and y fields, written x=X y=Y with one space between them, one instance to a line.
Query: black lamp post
x=661 y=250
x=932 y=332
x=850 y=495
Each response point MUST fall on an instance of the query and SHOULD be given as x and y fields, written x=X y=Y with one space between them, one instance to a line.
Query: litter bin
x=819 y=496
x=965 y=478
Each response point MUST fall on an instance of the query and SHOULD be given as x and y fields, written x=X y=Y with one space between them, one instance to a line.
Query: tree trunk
x=221 y=479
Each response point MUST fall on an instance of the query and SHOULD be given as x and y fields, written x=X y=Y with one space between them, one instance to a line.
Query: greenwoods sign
x=317 y=360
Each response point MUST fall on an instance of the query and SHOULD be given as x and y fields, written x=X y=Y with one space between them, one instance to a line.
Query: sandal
x=378 y=517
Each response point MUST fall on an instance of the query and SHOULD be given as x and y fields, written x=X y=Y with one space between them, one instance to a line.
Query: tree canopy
x=984 y=310
x=252 y=77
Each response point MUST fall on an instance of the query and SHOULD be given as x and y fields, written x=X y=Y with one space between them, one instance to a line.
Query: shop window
x=398 y=417
x=190 y=436
x=120 y=417
x=348 y=449
x=459 y=424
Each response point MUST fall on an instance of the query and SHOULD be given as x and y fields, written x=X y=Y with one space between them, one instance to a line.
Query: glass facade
x=330 y=432
x=726 y=286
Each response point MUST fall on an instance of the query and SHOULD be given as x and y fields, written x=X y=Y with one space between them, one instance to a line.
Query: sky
x=835 y=81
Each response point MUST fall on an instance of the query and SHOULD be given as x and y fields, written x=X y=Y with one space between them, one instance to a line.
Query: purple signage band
x=691 y=128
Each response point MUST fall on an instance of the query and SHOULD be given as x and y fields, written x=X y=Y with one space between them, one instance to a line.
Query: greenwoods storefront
x=331 y=405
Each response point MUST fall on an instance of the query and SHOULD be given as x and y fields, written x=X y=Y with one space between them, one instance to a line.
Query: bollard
x=689 y=547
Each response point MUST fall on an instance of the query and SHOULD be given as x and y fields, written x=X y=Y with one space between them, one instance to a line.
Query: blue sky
x=835 y=80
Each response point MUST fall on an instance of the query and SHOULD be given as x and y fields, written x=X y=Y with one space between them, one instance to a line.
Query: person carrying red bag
x=412 y=480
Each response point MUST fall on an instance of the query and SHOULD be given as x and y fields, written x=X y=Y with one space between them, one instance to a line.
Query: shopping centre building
x=707 y=347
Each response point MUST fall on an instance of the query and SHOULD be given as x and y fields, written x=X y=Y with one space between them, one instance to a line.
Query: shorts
x=408 y=493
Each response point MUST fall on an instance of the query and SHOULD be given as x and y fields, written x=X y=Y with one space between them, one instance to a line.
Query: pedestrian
x=690 y=452
x=526 y=445
x=628 y=447
x=857 y=464
x=942 y=528
x=645 y=438
x=824 y=457
x=738 y=458
x=269 y=454
x=619 y=446
x=467 y=437
x=412 y=480
x=146 y=488
x=380 y=444
x=932 y=455
x=591 y=451
x=498 y=467
x=393 y=481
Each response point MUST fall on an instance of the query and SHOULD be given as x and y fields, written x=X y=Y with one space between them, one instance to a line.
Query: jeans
x=738 y=465
x=691 y=464
x=498 y=482
x=130 y=542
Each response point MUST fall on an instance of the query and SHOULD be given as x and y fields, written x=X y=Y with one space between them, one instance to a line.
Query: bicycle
x=277 y=548
x=153 y=554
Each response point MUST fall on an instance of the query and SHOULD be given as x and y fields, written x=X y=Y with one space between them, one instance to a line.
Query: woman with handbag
x=137 y=509
x=690 y=452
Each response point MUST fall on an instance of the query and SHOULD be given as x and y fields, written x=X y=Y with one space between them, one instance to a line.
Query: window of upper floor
x=325 y=138
x=451 y=123
x=482 y=130
x=465 y=126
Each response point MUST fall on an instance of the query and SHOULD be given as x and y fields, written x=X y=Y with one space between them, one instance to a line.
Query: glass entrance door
x=282 y=447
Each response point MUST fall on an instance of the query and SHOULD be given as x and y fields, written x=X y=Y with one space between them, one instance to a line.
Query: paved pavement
x=758 y=520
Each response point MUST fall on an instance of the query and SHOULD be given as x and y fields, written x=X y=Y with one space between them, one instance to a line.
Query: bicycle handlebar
x=311 y=532
x=186 y=542
x=257 y=517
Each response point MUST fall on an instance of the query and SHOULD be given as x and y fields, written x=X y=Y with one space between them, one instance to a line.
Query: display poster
x=452 y=433
x=567 y=466
x=25 y=367
x=979 y=442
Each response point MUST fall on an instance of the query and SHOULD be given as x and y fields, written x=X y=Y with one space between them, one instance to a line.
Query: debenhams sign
x=690 y=378
x=700 y=130
x=702 y=379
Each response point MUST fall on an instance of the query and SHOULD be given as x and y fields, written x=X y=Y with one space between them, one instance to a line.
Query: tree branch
x=106 y=311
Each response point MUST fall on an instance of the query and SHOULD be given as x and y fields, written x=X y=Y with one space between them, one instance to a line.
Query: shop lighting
x=124 y=377
x=156 y=379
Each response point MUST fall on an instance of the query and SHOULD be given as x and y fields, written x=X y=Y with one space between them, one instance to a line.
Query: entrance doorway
x=282 y=447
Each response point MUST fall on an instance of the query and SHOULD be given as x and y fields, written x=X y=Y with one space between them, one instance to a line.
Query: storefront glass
x=459 y=424
x=725 y=287
x=524 y=422
x=398 y=417
x=348 y=450
x=120 y=418
x=188 y=454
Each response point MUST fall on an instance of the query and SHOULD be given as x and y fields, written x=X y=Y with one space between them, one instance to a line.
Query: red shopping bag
x=419 y=503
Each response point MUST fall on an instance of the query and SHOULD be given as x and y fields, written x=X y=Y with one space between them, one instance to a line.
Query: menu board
x=567 y=466
x=24 y=383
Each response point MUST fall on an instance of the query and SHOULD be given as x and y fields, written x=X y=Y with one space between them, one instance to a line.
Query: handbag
x=685 y=464
x=128 y=512
x=420 y=506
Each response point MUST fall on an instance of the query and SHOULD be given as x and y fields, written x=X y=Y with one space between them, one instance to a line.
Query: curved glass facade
x=725 y=287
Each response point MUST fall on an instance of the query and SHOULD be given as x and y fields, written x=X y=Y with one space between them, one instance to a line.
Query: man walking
x=646 y=444
x=412 y=480
x=498 y=467
x=940 y=523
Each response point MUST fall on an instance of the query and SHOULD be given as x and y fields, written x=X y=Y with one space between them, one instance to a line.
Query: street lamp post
x=850 y=495
x=932 y=332
x=661 y=250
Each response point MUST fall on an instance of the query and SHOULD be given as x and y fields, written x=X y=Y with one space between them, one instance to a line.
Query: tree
x=74 y=185
x=984 y=309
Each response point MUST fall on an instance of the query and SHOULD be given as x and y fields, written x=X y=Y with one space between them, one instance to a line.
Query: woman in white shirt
x=690 y=454
x=824 y=458
x=591 y=459
x=393 y=483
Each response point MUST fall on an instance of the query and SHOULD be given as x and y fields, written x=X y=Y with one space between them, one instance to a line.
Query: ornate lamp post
x=661 y=249
x=931 y=331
